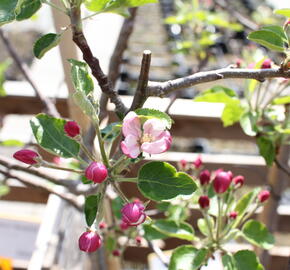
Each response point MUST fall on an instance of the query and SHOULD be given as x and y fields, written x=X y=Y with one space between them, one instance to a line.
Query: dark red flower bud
x=97 y=172
x=203 y=202
x=233 y=215
x=222 y=182
x=89 y=241
x=26 y=156
x=204 y=177
x=183 y=163
x=263 y=196
x=239 y=180
x=266 y=64
x=116 y=253
x=239 y=62
x=138 y=240
x=102 y=225
x=133 y=214
x=72 y=129
x=198 y=162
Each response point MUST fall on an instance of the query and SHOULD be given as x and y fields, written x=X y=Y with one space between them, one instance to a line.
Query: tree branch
x=141 y=91
x=69 y=197
x=48 y=104
x=93 y=62
x=161 y=89
x=117 y=57
x=282 y=167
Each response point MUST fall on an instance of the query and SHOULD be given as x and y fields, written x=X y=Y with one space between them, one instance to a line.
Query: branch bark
x=161 y=89
x=93 y=62
x=48 y=104
x=282 y=167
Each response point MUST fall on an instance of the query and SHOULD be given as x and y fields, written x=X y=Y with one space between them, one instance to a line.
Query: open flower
x=151 y=137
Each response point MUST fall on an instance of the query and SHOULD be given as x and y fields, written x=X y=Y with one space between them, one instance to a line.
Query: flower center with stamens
x=147 y=138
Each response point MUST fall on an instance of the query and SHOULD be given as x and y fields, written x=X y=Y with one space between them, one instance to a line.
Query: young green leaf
x=111 y=243
x=268 y=39
x=202 y=225
x=7 y=11
x=278 y=30
x=267 y=149
x=3 y=67
x=187 y=258
x=284 y=11
x=281 y=100
x=257 y=233
x=45 y=43
x=111 y=131
x=117 y=205
x=91 y=208
x=246 y=260
x=81 y=78
x=248 y=124
x=171 y=228
x=229 y=262
x=27 y=8
x=160 y=181
x=152 y=113
x=49 y=134
x=85 y=104
x=151 y=233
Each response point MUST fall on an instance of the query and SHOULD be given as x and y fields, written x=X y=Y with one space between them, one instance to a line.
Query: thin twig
x=282 y=167
x=159 y=253
x=48 y=104
x=161 y=89
x=141 y=91
x=69 y=197
x=93 y=62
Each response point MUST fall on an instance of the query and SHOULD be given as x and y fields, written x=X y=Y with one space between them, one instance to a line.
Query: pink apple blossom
x=150 y=137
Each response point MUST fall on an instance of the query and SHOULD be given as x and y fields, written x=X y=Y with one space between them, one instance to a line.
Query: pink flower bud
x=183 y=163
x=263 y=196
x=230 y=175
x=198 y=162
x=222 y=182
x=204 y=177
x=203 y=202
x=116 y=253
x=233 y=215
x=71 y=129
x=102 y=225
x=97 y=172
x=239 y=180
x=138 y=240
x=124 y=226
x=133 y=214
x=239 y=62
x=89 y=241
x=266 y=63
x=26 y=156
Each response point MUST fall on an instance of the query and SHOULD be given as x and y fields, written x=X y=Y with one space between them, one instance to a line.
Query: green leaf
x=171 y=228
x=86 y=181
x=247 y=260
x=45 y=43
x=177 y=212
x=202 y=226
x=244 y=203
x=112 y=5
x=111 y=243
x=4 y=190
x=268 y=39
x=284 y=11
x=187 y=258
x=151 y=233
x=91 y=208
x=278 y=30
x=151 y=113
x=229 y=262
x=257 y=233
x=248 y=124
x=7 y=11
x=232 y=111
x=160 y=181
x=111 y=131
x=117 y=205
x=49 y=134
x=27 y=8
x=281 y=100
x=267 y=150
x=81 y=78
x=3 y=67
x=12 y=143
x=87 y=104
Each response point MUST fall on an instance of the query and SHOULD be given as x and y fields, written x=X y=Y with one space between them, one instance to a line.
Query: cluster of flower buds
x=197 y=164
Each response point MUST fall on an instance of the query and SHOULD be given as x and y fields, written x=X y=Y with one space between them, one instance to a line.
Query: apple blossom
x=133 y=214
x=89 y=241
x=97 y=172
